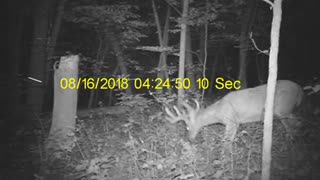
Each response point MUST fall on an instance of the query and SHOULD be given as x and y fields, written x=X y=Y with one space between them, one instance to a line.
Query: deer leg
x=231 y=131
x=229 y=135
x=227 y=152
x=290 y=123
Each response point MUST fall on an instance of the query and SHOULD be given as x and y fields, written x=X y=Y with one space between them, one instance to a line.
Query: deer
x=238 y=107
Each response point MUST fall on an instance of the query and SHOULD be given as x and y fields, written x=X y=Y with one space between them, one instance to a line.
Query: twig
x=269 y=2
x=266 y=52
x=145 y=150
x=83 y=156
x=179 y=12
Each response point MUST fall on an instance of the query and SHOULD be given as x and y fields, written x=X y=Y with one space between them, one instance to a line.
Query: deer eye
x=188 y=128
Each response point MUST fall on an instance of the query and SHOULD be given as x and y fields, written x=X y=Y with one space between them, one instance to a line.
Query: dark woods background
x=298 y=57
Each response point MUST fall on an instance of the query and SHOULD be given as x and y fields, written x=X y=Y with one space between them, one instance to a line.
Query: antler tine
x=184 y=114
x=172 y=117
x=189 y=108
x=197 y=104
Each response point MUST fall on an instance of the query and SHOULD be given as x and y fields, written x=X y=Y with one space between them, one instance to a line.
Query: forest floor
x=133 y=141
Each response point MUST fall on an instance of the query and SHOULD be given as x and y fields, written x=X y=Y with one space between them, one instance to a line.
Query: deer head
x=187 y=114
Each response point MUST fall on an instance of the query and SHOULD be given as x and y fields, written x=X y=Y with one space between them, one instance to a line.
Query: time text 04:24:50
x=137 y=83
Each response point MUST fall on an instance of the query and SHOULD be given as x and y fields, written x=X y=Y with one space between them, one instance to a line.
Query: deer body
x=243 y=106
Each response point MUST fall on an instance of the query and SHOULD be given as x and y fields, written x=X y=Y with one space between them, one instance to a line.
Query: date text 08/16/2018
x=146 y=83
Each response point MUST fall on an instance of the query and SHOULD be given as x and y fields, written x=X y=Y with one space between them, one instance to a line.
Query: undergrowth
x=140 y=144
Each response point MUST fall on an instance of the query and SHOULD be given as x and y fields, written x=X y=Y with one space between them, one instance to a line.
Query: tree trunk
x=37 y=65
x=91 y=98
x=61 y=136
x=163 y=38
x=56 y=28
x=165 y=43
x=214 y=70
x=51 y=49
x=271 y=87
x=246 y=24
x=182 y=48
x=260 y=69
x=101 y=52
x=205 y=52
x=190 y=72
x=202 y=43
x=65 y=99
x=110 y=91
x=14 y=86
x=119 y=55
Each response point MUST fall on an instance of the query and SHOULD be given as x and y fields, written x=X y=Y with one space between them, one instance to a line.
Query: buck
x=238 y=107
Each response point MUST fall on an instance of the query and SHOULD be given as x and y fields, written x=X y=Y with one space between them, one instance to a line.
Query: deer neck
x=213 y=114
x=220 y=112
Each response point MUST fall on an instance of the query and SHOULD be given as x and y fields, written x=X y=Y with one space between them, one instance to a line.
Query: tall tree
x=163 y=37
x=37 y=64
x=119 y=54
x=247 y=19
x=190 y=72
x=16 y=25
x=271 y=87
x=183 y=36
x=56 y=26
x=61 y=136
x=57 y=16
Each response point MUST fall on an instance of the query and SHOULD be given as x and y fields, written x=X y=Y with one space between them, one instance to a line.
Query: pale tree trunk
x=183 y=36
x=271 y=87
x=163 y=38
x=204 y=38
x=246 y=24
x=205 y=44
x=37 y=65
x=190 y=73
x=61 y=137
